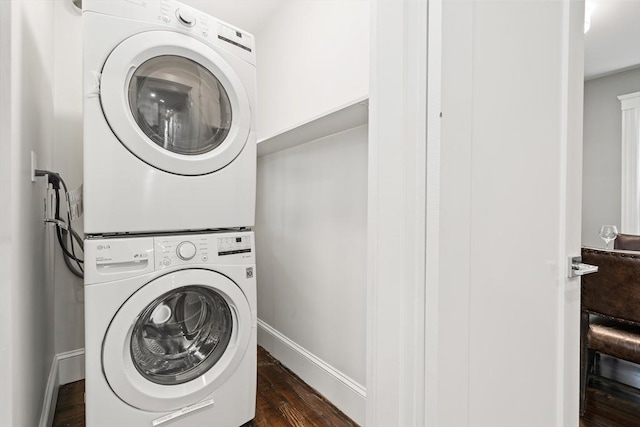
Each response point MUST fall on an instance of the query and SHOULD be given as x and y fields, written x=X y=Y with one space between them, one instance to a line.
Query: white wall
x=67 y=160
x=26 y=65
x=312 y=56
x=311 y=221
x=311 y=248
x=601 y=179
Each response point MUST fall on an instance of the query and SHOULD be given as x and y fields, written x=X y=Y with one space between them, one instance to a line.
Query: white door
x=501 y=214
x=511 y=173
x=176 y=340
x=175 y=103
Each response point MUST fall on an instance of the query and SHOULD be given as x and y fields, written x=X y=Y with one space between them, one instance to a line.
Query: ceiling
x=613 y=42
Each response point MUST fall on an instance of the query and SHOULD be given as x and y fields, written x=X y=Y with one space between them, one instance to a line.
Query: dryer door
x=175 y=103
x=176 y=340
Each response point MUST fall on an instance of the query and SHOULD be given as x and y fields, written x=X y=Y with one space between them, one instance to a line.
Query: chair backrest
x=627 y=242
x=614 y=291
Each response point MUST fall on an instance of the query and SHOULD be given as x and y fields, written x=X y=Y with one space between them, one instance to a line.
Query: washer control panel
x=115 y=258
x=220 y=248
x=232 y=245
x=186 y=250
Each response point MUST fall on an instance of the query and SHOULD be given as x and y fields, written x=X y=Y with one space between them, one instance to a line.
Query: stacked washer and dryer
x=169 y=202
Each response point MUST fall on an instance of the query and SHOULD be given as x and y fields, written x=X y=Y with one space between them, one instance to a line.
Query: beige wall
x=601 y=179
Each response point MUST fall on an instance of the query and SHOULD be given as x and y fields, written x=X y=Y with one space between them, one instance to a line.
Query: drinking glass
x=608 y=233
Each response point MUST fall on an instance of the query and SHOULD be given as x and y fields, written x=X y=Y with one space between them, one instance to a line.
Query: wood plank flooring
x=611 y=404
x=613 y=395
x=283 y=400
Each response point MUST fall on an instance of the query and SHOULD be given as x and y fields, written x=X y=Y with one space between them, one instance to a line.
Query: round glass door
x=176 y=339
x=175 y=103
x=180 y=105
x=181 y=335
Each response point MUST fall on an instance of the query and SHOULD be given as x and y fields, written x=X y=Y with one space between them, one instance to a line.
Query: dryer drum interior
x=181 y=335
x=176 y=103
x=180 y=105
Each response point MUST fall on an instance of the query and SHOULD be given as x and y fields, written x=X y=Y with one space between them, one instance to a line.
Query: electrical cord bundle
x=64 y=231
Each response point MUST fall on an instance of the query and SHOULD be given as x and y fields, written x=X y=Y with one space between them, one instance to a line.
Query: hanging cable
x=65 y=233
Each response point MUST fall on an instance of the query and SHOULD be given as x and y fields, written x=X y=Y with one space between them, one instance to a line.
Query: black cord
x=73 y=251
x=61 y=232
x=54 y=179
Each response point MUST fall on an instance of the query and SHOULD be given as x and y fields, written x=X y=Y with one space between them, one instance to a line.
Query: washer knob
x=186 y=250
x=186 y=17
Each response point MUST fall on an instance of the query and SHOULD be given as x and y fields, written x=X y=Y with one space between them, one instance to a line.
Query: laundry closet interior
x=311 y=206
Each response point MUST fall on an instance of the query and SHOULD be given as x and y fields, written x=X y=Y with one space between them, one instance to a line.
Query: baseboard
x=339 y=389
x=50 y=395
x=70 y=366
x=65 y=368
x=346 y=394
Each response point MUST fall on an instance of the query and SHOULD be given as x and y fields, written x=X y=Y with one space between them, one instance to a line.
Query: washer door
x=176 y=340
x=175 y=103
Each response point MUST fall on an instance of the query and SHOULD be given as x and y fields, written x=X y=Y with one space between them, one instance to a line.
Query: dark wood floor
x=613 y=396
x=283 y=400
x=611 y=404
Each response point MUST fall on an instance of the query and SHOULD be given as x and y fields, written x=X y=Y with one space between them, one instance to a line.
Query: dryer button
x=186 y=250
x=186 y=17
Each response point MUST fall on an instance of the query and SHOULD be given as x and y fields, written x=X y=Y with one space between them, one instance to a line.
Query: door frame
x=396 y=215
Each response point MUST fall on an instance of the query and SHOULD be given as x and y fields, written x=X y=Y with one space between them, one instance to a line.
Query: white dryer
x=170 y=333
x=169 y=119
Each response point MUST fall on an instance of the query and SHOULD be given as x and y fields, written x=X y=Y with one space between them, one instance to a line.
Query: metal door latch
x=577 y=268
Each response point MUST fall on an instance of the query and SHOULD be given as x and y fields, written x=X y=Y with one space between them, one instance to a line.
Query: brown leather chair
x=627 y=242
x=610 y=310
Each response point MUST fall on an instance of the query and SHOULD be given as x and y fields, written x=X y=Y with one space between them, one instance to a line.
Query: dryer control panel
x=176 y=16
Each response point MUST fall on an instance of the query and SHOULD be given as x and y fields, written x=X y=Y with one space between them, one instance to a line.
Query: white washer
x=170 y=330
x=169 y=119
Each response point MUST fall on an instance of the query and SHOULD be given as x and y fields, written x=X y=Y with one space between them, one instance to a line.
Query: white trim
x=630 y=100
x=432 y=227
x=66 y=368
x=396 y=215
x=70 y=366
x=570 y=211
x=50 y=395
x=344 y=117
x=345 y=393
x=630 y=164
